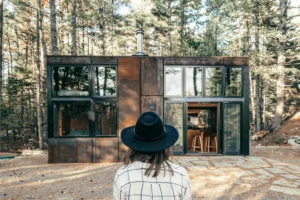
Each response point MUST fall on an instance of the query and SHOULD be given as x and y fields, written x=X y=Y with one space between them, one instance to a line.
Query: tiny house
x=92 y=98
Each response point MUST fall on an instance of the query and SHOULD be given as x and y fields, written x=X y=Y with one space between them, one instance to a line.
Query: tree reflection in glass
x=233 y=81
x=193 y=81
x=232 y=127
x=71 y=81
x=173 y=81
x=213 y=80
x=106 y=118
x=174 y=117
x=105 y=81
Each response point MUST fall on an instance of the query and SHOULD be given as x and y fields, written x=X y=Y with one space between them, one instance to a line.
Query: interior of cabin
x=202 y=123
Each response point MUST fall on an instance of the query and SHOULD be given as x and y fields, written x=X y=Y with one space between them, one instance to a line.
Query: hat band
x=151 y=138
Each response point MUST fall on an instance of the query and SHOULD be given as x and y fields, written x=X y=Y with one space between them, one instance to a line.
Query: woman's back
x=132 y=183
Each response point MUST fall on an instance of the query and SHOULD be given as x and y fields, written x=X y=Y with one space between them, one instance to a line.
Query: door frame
x=219 y=128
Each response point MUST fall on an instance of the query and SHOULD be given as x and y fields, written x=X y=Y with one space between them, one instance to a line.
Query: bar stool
x=215 y=146
x=195 y=145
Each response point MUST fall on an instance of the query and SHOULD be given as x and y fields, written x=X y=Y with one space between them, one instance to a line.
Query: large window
x=173 y=76
x=105 y=119
x=71 y=118
x=193 y=77
x=233 y=81
x=71 y=81
x=213 y=80
x=203 y=81
x=84 y=100
x=105 y=81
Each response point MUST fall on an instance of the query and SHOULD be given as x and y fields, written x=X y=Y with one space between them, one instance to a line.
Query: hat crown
x=149 y=127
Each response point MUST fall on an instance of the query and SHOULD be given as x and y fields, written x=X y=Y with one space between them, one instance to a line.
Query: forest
x=266 y=31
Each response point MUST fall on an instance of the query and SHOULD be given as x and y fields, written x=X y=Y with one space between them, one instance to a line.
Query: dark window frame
x=202 y=80
x=204 y=68
x=93 y=74
x=93 y=99
x=182 y=80
x=242 y=82
x=69 y=65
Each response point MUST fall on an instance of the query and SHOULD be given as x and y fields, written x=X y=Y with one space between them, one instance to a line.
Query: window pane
x=71 y=119
x=71 y=81
x=232 y=127
x=213 y=81
x=173 y=81
x=193 y=81
x=105 y=81
x=174 y=117
x=233 y=81
x=106 y=119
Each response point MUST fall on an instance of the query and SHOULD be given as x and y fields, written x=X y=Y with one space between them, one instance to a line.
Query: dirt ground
x=31 y=177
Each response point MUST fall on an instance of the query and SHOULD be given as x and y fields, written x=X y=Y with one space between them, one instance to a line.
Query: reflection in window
x=193 y=81
x=173 y=81
x=174 y=117
x=71 y=81
x=233 y=81
x=105 y=81
x=213 y=81
x=106 y=119
x=232 y=127
x=71 y=119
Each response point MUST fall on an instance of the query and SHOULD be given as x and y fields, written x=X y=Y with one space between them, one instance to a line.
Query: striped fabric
x=131 y=183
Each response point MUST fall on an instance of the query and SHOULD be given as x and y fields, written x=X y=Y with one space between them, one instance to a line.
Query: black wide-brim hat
x=149 y=134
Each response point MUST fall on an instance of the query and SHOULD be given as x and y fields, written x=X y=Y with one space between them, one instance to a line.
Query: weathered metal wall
x=129 y=95
x=140 y=83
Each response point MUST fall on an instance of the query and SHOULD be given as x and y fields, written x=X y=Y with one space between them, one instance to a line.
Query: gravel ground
x=31 y=177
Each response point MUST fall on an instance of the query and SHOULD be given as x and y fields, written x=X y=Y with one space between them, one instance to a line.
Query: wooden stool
x=200 y=142
x=214 y=146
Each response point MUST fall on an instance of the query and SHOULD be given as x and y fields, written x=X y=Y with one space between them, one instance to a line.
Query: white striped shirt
x=131 y=183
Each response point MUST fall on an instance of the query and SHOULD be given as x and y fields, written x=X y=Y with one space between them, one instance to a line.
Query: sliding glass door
x=231 y=128
x=174 y=116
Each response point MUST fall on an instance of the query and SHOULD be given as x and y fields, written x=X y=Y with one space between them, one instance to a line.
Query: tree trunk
x=195 y=81
x=105 y=82
x=44 y=69
x=280 y=66
x=169 y=27
x=38 y=87
x=252 y=97
x=74 y=44
x=182 y=25
x=1 y=59
x=53 y=27
x=264 y=117
x=257 y=77
x=102 y=27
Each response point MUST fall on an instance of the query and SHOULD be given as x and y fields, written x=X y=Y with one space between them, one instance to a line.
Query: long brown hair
x=157 y=160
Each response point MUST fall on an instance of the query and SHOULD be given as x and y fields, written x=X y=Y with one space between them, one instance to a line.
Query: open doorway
x=202 y=127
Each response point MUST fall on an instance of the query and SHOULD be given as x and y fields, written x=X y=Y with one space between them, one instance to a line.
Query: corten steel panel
x=236 y=61
x=69 y=150
x=105 y=150
x=152 y=76
x=122 y=150
x=193 y=61
x=104 y=60
x=129 y=91
x=157 y=100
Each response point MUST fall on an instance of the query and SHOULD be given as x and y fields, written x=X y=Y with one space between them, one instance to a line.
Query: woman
x=148 y=173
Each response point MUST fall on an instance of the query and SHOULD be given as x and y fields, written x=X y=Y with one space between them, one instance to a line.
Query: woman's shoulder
x=179 y=169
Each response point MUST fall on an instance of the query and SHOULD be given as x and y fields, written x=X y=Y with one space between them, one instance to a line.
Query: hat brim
x=133 y=142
